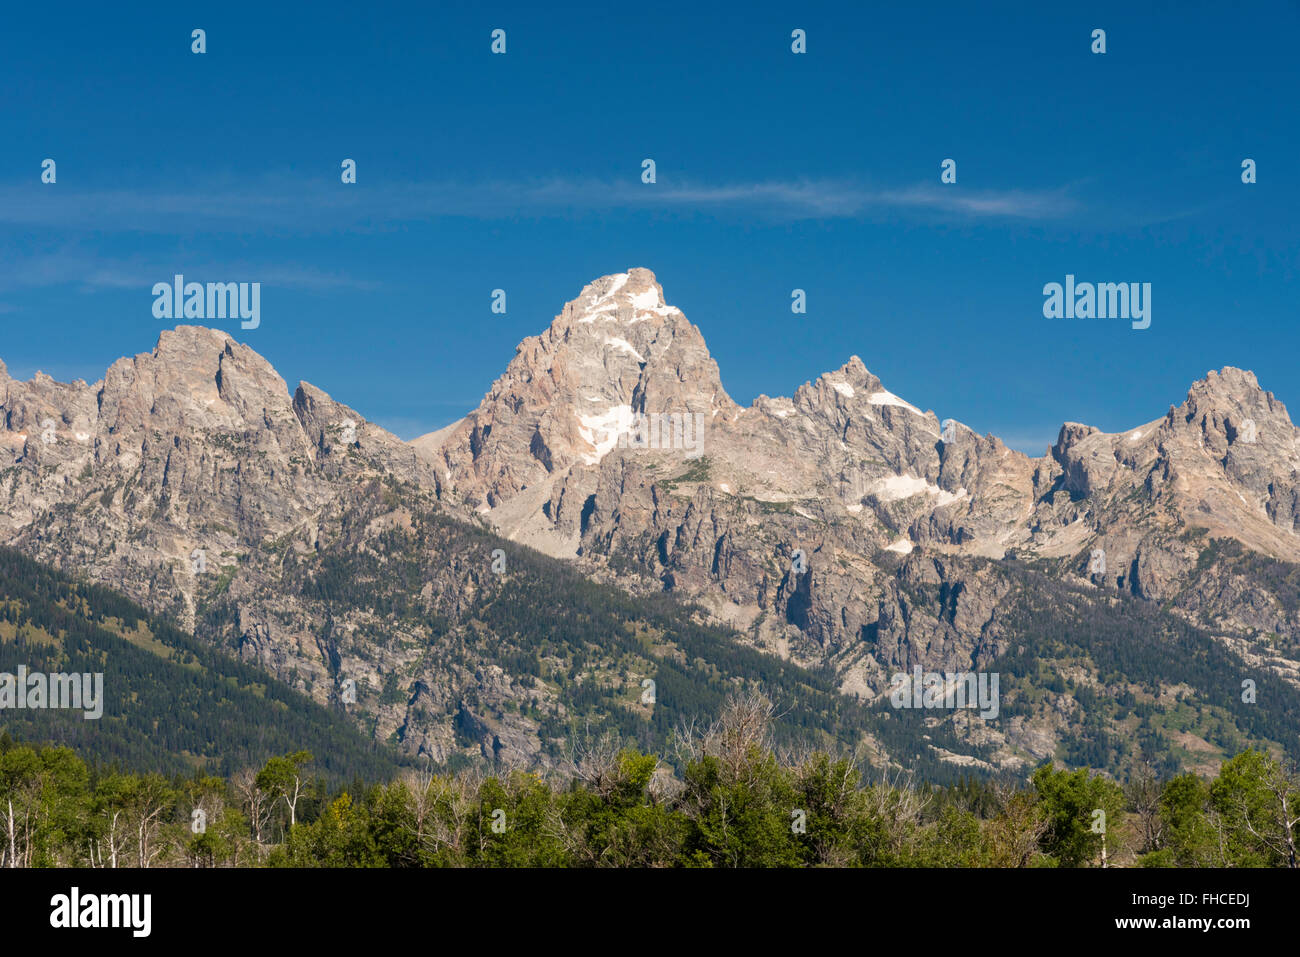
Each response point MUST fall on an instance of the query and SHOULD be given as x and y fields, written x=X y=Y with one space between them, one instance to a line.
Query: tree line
x=726 y=796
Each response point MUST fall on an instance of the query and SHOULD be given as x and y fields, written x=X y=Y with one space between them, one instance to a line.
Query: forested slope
x=172 y=703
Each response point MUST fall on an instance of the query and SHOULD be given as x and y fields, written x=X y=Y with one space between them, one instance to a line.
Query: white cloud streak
x=277 y=204
x=97 y=272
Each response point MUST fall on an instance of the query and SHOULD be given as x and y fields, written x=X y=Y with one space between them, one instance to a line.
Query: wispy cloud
x=93 y=272
x=814 y=199
x=296 y=206
x=78 y=221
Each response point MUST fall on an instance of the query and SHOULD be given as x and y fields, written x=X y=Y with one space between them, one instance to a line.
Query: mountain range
x=1128 y=586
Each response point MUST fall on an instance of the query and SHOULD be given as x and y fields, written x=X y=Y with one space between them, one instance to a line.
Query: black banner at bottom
x=334 y=907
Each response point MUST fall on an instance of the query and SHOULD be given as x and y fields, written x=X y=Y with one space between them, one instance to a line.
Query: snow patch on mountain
x=884 y=397
x=601 y=432
x=648 y=300
x=626 y=347
x=619 y=281
x=894 y=488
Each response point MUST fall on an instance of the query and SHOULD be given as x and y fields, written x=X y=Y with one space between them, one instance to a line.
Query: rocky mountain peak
x=1071 y=434
x=864 y=414
x=1230 y=396
x=194 y=445
x=616 y=351
x=184 y=342
x=197 y=448
x=1228 y=381
x=632 y=296
x=1228 y=415
x=846 y=381
x=195 y=377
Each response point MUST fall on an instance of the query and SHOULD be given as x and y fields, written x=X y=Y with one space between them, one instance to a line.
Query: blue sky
x=775 y=171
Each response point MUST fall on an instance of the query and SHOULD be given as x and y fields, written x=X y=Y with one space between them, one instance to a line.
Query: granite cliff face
x=195 y=447
x=857 y=481
x=840 y=528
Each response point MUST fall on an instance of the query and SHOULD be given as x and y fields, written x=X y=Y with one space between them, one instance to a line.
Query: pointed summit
x=623 y=297
x=854 y=382
x=183 y=338
x=1228 y=388
x=616 y=350
x=1229 y=403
